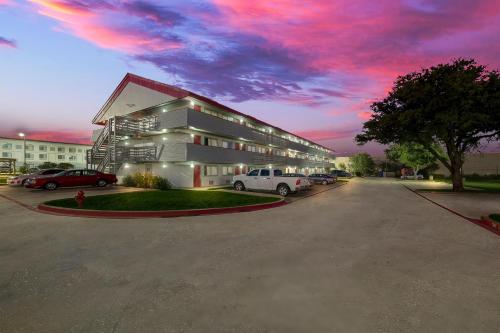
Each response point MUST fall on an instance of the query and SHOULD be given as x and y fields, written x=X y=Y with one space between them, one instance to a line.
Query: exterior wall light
x=270 y=166
x=164 y=165
x=126 y=143
x=164 y=139
x=164 y=130
x=191 y=103
x=241 y=165
x=126 y=166
x=163 y=110
x=192 y=135
x=192 y=165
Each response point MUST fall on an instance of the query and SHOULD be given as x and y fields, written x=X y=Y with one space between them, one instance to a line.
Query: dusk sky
x=310 y=67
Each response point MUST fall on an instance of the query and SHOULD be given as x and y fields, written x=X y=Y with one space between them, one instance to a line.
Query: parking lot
x=367 y=256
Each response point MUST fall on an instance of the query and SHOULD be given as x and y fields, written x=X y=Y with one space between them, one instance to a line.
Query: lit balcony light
x=241 y=165
x=164 y=165
x=22 y=135
x=241 y=121
x=192 y=135
x=126 y=166
x=191 y=165
x=164 y=130
x=163 y=110
x=270 y=166
x=164 y=139
x=125 y=137
x=191 y=103
x=126 y=143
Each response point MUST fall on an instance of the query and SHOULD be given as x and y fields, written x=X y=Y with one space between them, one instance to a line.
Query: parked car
x=322 y=178
x=409 y=177
x=306 y=185
x=269 y=180
x=341 y=173
x=21 y=179
x=71 y=178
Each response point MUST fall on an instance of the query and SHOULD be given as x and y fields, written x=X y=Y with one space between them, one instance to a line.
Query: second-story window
x=211 y=142
x=72 y=150
x=60 y=149
x=42 y=148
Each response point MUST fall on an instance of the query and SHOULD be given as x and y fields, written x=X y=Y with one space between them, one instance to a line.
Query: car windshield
x=60 y=173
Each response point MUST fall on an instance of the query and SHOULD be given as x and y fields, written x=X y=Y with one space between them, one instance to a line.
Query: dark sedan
x=341 y=173
x=322 y=178
x=71 y=178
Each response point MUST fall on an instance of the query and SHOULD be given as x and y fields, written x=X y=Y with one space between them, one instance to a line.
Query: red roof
x=177 y=93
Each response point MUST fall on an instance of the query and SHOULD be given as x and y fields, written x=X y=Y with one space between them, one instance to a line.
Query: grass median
x=164 y=200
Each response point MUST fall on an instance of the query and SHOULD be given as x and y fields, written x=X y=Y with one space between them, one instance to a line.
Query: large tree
x=413 y=155
x=361 y=164
x=455 y=106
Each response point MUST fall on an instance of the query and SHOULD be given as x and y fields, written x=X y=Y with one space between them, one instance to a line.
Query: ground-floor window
x=211 y=170
x=227 y=170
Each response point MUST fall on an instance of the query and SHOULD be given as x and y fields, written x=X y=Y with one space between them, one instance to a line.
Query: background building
x=40 y=151
x=190 y=139
x=477 y=163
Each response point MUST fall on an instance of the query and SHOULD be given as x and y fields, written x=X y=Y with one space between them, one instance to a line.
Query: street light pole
x=22 y=135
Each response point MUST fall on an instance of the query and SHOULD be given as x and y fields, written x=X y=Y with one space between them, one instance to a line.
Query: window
x=60 y=149
x=210 y=170
x=265 y=172
x=89 y=172
x=72 y=150
x=72 y=158
x=251 y=148
x=42 y=148
x=210 y=142
x=52 y=148
x=253 y=173
x=225 y=144
x=227 y=170
x=51 y=172
x=79 y=150
x=30 y=147
x=42 y=156
x=7 y=146
x=261 y=150
x=6 y=154
x=73 y=173
x=60 y=157
x=29 y=156
x=278 y=173
x=19 y=146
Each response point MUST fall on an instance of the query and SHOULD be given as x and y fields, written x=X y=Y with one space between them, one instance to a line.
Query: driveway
x=368 y=256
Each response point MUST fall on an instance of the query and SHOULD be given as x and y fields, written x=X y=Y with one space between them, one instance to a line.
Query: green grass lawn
x=487 y=185
x=164 y=200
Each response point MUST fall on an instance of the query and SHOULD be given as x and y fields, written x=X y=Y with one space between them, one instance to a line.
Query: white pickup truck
x=269 y=180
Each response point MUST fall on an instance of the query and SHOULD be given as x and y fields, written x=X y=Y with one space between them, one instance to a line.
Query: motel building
x=193 y=141
x=23 y=150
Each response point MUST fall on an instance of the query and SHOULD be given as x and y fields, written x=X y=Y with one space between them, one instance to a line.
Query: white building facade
x=38 y=151
x=151 y=127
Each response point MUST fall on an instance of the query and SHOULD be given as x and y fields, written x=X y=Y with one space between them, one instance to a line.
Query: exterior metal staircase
x=109 y=151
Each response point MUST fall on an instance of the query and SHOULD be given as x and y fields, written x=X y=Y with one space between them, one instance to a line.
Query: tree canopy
x=455 y=106
x=361 y=164
x=413 y=155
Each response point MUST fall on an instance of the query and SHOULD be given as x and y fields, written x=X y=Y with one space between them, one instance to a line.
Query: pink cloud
x=73 y=136
x=99 y=25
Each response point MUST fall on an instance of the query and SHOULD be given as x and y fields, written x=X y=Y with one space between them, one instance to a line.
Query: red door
x=197 y=176
x=237 y=146
x=197 y=140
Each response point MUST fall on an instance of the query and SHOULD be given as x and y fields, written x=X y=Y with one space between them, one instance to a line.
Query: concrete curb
x=482 y=223
x=156 y=214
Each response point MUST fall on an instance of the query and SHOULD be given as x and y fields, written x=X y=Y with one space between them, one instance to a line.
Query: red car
x=71 y=178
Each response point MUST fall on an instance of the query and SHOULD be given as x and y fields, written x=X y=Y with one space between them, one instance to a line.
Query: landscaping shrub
x=146 y=181
x=438 y=176
x=161 y=183
x=129 y=181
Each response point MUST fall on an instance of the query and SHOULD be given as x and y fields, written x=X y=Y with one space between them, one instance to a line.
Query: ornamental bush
x=161 y=183
x=129 y=181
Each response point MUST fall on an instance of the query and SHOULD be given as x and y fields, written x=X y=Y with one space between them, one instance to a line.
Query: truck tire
x=324 y=182
x=283 y=190
x=238 y=186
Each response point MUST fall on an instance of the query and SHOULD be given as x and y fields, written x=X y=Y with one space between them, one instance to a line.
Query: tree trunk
x=457 y=180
